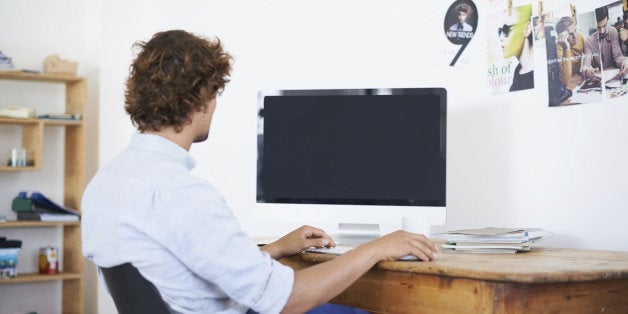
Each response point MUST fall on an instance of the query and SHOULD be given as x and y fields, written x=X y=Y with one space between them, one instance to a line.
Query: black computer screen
x=363 y=147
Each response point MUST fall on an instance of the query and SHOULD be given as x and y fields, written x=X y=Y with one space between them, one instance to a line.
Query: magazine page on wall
x=584 y=60
x=510 y=49
x=605 y=63
x=461 y=22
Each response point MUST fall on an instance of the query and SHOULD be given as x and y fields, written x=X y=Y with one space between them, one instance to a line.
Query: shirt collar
x=165 y=147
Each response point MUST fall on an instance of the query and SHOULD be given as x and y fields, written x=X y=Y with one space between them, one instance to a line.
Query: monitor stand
x=357 y=233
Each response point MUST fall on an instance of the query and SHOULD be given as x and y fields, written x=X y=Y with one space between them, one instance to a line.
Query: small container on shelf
x=9 y=250
x=48 y=260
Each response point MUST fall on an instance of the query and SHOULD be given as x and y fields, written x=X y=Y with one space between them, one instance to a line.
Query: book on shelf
x=40 y=216
x=491 y=240
x=39 y=208
x=60 y=116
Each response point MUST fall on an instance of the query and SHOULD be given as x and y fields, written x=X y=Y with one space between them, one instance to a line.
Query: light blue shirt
x=147 y=209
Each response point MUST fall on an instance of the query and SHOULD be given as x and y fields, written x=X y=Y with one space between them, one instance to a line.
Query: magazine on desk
x=491 y=240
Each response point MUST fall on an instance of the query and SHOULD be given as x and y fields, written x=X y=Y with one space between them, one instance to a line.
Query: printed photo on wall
x=605 y=65
x=461 y=21
x=510 y=50
x=584 y=56
x=564 y=44
x=538 y=24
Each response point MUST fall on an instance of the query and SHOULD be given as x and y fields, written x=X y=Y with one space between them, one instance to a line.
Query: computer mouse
x=409 y=258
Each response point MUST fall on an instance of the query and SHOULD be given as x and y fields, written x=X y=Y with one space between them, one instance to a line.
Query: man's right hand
x=401 y=243
x=563 y=39
x=593 y=74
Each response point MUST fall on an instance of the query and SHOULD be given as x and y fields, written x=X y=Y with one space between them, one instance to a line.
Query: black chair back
x=131 y=292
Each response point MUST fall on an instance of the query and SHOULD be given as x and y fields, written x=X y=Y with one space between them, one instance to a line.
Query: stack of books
x=40 y=208
x=491 y=240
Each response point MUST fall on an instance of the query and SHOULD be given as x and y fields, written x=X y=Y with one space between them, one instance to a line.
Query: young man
x=463 y=12
x=145 y=208
x=569 y=49
x=623 y=35
x=602 y=50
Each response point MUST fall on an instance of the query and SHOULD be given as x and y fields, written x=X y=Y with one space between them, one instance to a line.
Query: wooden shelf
x=34 y=277
x=17 y=121
x=33 y=131
x=28 y=168
x=24 y=76
x=37 y=224
x=52 y=122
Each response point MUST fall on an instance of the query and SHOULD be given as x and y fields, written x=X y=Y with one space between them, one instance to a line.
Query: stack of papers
x=491 y=240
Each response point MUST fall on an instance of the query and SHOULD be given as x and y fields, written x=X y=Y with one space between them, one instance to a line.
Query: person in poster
x=460 y=23
x=602 y=49
x=623 y=35
x=510 y=50
x=463 y=12
x=516 y=40
x=564 y=59
x=569 y=49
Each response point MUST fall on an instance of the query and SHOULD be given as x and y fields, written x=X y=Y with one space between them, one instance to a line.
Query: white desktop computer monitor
x=359 y=156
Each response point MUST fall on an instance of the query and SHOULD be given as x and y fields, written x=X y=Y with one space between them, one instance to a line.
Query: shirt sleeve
x=618 y=56
x=588 y=54
x=213 y=246
x=564 y=63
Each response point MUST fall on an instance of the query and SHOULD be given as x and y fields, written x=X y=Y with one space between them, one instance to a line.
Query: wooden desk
x=540 y=281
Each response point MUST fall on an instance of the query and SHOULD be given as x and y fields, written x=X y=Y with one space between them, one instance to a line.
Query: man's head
x=463 y=12
x=567 y=25
x=601 y=16
x=515 y=30
x=174 y=75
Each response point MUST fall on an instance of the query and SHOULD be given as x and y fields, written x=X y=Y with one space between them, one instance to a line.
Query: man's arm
x=320 y=283
x=297 y=241
x=587 y=69
x=618 y=56
x=564 y=55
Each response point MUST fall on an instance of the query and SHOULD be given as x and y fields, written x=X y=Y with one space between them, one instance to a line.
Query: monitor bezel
x=439 y=91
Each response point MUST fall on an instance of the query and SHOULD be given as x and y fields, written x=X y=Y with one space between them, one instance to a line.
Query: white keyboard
x=337 y=250
x=342 y=249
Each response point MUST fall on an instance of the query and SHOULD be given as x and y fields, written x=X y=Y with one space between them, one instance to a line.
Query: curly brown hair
x=174 y=74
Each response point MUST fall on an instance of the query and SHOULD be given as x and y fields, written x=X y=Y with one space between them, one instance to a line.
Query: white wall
x=512 y=161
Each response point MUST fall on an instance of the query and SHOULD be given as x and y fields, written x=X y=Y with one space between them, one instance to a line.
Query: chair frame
x=131 y=292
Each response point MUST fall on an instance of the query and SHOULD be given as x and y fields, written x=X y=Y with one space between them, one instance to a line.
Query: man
x=145 y=208
x=463 y=12
x=516 y=41
x=623 y=35
x=569 y=49
x=601 y=49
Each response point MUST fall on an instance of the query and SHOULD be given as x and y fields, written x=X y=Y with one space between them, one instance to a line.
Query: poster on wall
x=584 y=55
x=605 y=65
x=461 y=22
x=510 y=49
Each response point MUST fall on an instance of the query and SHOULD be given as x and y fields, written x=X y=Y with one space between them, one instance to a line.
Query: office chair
x=131 y=292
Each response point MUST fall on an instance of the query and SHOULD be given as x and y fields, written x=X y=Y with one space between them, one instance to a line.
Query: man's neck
x=181 y=138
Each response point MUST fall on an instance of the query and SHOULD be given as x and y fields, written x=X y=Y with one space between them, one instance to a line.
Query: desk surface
x=541 y=265
x=541 y=281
